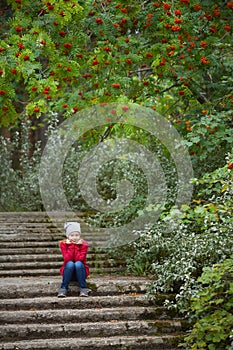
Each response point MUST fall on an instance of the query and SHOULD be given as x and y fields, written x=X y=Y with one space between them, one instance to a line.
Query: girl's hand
x=79 y=241
x=74 y=241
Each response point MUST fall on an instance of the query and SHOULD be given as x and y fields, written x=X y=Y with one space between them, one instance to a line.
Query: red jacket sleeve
x=67 y=251
x=80 y=252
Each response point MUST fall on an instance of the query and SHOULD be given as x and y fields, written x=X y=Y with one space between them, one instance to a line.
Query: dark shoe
x=62 y=293
x=84 y=292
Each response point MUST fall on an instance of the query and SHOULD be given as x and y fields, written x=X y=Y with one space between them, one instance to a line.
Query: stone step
x=118 y=313
x=33 y=244
x=54 y=272
x=56 y=256
x=32 y=287
x=96 y=301
x=51 y=263
x=32 y=250
x=46 y=244
x=44 y=225
x=34 y=216
x=139 y=342
x=62 y=329
x=43 y=237
x=4 y=252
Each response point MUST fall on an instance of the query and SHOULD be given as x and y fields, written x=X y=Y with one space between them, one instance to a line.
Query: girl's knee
x=69 y=265
x=79 y=265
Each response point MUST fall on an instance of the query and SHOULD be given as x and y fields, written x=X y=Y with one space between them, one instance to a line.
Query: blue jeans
x=74 y=271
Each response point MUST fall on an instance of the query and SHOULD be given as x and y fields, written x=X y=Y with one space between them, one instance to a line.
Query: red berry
x=99 y=20
x=128 y=61
x=125 y=108
x=20 y=45
x=18 y=29
x=67 y=45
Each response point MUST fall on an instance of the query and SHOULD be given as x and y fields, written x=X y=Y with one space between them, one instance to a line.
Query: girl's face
x=74 y=236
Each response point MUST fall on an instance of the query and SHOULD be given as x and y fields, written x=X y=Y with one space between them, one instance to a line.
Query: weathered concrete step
x=32 y=237
x=33 y=250
x=45 y=250
x=34 y=244
x=54 y=272
x=16 y=225
x=37 y=227
x=166 y=342
x=10 y=332
x=43 y=223
x=43 y=214
x=88 y=315
x=8 y=267
x=45 y=229
x=31 y=287
x=28 y=244
x=75 y=302
x=35 y=268
x=45 y=263
x=48 y=257
x=33 y=215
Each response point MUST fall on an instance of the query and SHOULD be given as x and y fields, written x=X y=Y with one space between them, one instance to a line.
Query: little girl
x=74 y=251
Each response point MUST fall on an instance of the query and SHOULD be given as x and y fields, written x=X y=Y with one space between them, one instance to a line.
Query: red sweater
x=74 y=252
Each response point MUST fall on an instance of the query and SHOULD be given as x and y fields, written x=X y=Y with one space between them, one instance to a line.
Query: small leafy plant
x=212 y=307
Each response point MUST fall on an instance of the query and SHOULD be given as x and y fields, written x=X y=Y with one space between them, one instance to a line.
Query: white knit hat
x=72 y=227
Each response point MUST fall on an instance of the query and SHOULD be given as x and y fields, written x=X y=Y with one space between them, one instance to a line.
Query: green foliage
x=207 y=137
x=172 y=55
x=212 y=309
x=201 y=237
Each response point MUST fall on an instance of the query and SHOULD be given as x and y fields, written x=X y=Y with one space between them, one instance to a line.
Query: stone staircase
x=115 y=316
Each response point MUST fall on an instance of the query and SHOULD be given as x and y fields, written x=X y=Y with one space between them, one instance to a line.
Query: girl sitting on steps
x=74 y=251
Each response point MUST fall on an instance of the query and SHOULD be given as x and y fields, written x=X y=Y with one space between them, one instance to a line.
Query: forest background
x=59 y=58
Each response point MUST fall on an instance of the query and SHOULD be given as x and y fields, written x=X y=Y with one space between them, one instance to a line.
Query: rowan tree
x=174 y=56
